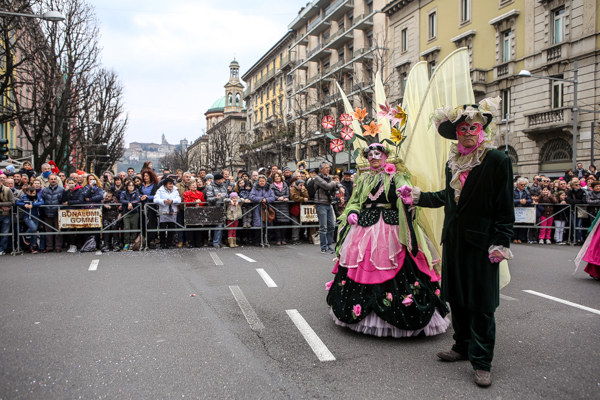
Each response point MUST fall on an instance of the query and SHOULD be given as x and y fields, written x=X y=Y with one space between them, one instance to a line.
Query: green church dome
x=218 y=104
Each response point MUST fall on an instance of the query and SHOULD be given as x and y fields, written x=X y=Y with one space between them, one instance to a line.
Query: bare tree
x=177 y=159
x=223 y=145
x=49 y=85
x=102 y=122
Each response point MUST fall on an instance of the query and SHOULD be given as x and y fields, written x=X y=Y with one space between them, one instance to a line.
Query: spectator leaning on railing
x=576 y=197
x=7 y=200
x=299 y=195
x=52 y=195
x=182 y=187
x=195 y=198
x=522 y=198
x=130 y=201
x=216 y=195
x=31 y=203
x=167 y=197
x=72 y=196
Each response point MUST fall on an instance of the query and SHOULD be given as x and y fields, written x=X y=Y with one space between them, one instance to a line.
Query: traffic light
x=3 y=149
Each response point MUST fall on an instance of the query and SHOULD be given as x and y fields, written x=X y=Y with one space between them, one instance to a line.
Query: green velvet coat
x=484 y=216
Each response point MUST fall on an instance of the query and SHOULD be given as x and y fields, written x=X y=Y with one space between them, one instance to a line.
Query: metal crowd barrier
x=298 y=225
x=196 y=228
x=77 y=231
x=10 y=230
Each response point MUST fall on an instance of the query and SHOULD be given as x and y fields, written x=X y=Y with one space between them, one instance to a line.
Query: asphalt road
x=131 y=329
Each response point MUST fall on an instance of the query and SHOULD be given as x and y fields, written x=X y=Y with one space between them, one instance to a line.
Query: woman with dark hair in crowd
x=568 y=175
x=282 y=212
x=117 y=187
x=147 y=165
x=148 y=190
x=195 y=198
x=594 y=171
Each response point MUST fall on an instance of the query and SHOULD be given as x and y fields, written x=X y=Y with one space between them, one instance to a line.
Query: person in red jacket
x=194 y=198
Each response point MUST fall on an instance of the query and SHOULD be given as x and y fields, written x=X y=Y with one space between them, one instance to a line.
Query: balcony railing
x=246 y=93
x=548 y=117
x=502 y=70
x=554 y=53
x=315 y=22
x=264 y=78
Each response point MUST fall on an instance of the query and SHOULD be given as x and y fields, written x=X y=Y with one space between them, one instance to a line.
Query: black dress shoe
x=483 y=378
x=451 y=356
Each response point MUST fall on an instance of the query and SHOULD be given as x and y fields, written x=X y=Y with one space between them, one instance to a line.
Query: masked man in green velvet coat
x=478 y=226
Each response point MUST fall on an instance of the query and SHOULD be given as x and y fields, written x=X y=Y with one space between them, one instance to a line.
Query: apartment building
x=269 y=135
x=504 y=37
x=339 y=41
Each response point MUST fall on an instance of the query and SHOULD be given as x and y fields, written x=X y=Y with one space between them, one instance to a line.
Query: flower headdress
x=357 y=133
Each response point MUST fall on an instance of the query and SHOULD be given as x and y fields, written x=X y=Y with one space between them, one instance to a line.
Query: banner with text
x=71 y=219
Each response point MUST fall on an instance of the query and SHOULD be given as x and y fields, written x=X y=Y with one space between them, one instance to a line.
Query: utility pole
x=575 y=113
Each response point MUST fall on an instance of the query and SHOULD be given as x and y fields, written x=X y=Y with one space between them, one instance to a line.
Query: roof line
x=288 y=35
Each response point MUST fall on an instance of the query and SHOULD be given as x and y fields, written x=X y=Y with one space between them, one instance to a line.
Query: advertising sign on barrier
x=70 y=219
x=524 y=215
x=204 y=215
x=308 y=213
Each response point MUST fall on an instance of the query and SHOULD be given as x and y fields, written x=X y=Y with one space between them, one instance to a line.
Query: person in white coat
x=167 y=197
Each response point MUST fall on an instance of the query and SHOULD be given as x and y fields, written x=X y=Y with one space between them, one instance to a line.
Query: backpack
x=310 y=186
x=89 y=245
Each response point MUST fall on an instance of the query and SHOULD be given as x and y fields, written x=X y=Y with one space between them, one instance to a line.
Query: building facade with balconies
x=269 y=134
x=337 y=42
x=505 y=36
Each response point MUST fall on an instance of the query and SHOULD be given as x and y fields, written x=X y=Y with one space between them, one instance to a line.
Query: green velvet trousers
x=474 y=336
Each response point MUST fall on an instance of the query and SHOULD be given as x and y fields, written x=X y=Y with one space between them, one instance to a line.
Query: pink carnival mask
x=466 y=128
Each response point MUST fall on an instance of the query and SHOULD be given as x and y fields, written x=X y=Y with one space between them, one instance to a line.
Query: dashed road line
x=94 y=265
x=589 y=309
x=216 y=258
x=245 y=257
x=505 y=297
x=315 y=343
x=263 y=274
x=247 y=310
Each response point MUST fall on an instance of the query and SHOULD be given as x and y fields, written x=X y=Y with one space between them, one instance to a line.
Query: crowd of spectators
x=572 y=200
x=267 y=197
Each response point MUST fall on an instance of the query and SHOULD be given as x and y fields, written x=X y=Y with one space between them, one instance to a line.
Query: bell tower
x=234 y=90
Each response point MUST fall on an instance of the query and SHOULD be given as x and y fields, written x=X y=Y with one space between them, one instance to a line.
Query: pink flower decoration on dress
x=336 y=145
x=386 y=110
x=347 y=133
x=343 y=283
x=328 y=285
x=356 y=310
x=346 y=119
x=390 y=168
x=408 y=300
x=416 y=284
x=437 y=292
x=328 y=122
x=390 y=297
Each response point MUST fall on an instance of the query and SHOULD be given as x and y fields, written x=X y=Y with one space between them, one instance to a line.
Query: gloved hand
x=496 y=257
x=404 y=194
x=353 y=219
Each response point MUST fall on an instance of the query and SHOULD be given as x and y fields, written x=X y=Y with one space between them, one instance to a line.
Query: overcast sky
x=173 y=56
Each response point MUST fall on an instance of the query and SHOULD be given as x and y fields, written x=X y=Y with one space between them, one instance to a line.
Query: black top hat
x=447 y=129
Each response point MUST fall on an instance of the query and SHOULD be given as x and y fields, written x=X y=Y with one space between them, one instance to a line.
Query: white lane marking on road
x=310 y=336
x=94 y=265
x=263 y=274
x=245 y=257
x=216 y=258
x=251 y=317
x=505 y=297
x=99 y=253
x=592 y=310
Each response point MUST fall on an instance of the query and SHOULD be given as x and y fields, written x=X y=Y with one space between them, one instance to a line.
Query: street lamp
x=52 y=16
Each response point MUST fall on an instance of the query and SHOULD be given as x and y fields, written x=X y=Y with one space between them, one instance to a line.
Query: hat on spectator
x=209 y=176
x=312 y=170
x=10 y=168
x=218 y=176
x=286 y=169
x=299 y=181
x=233 y=194
x=261 y=171
x=347 y=173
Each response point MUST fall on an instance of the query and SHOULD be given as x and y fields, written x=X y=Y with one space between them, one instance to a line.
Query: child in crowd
x=561 y=218
x=194 y=198
x=234 y=213
x=30 y=202
x=547 y=217
x=130 y=199
x=110 y=215
x=532 y=236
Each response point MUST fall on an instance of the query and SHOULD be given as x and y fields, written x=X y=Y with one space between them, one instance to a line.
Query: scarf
x=461 y=165
x=278 y=185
